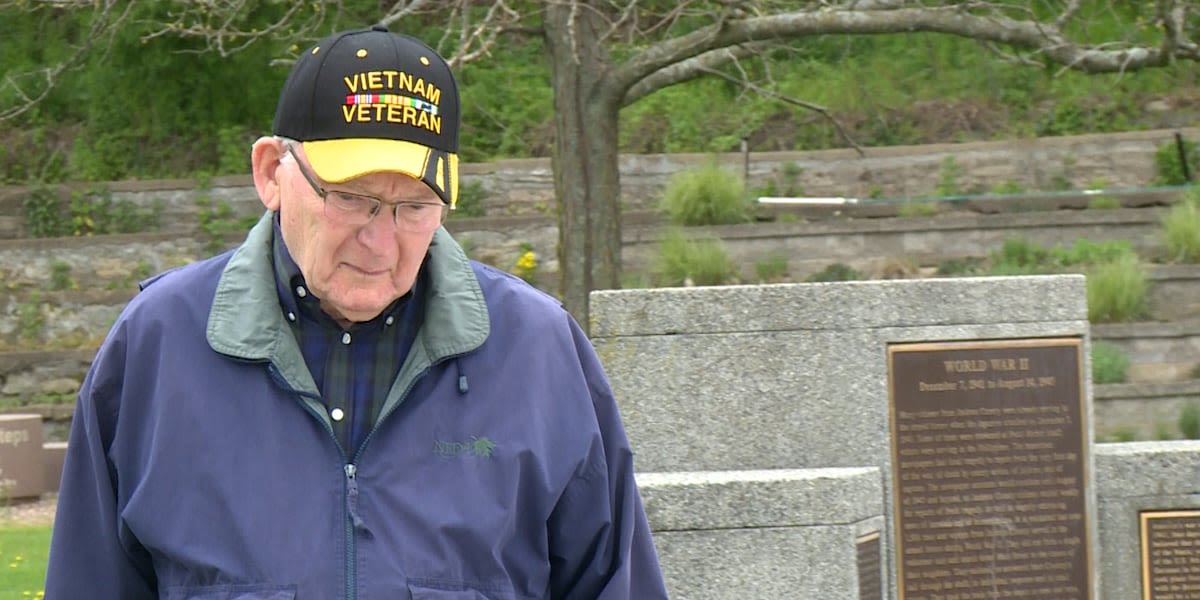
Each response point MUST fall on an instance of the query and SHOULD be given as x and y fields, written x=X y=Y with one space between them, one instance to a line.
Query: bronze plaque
x=870 y=565
x=989 y=470
x=22 y=474
x=1170 y=554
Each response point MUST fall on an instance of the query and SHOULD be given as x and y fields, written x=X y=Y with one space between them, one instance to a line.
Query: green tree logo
x=482 y=446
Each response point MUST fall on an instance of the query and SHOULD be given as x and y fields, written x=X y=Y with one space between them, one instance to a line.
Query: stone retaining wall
x=526 y=186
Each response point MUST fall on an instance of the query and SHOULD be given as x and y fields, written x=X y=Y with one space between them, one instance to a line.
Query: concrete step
x=1158 y=352
x=1163 y=349
x=1142 y=411
x=103 y=262
x=59 y=320
x=45 y=371
x=1174 y=292
x=872 y=245
x=182 y=206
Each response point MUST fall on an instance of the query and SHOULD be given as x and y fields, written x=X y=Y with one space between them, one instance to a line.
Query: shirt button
x=390 y=320
x=346 y=337
x=291 y=316
x=337 y=414
x=300 y=291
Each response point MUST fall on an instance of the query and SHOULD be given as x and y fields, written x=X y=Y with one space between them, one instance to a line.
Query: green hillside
x=159 y=108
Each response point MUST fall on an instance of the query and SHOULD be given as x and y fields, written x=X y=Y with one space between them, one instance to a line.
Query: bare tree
x=662 y=43
x=590 y=87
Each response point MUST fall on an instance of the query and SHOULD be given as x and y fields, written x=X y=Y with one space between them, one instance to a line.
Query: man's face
x=356 y=271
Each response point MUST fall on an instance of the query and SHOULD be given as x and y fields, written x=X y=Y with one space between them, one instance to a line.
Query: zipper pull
x=352 y=497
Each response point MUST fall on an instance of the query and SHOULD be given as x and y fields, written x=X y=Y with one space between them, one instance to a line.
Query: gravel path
x=39 y=511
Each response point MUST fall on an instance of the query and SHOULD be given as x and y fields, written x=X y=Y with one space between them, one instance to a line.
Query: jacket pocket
x=233 y=592
x=421 y=592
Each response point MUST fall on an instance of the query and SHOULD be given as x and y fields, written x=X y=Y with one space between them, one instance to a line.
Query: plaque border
x=875 y=536
x=894 y=348
x=1144 y=518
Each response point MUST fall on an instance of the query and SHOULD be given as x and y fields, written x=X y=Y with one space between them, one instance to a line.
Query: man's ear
x=264 y=166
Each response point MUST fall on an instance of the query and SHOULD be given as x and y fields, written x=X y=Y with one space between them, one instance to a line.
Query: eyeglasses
x=355 y=210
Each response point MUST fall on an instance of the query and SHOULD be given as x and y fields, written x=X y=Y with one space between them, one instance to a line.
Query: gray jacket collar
x=246 y=322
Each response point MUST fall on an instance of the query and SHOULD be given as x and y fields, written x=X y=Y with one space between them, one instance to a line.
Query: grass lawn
x=23 y=551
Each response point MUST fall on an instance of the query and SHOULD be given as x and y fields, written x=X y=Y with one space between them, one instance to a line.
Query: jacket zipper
x=351 y=486
x=352 y=519
x=351 y=470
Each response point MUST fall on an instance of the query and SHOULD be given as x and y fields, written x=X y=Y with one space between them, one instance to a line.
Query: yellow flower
x=527 y=261
x=526 y=265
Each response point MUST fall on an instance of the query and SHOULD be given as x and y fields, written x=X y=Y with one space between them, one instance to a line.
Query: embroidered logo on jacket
x=476 y=446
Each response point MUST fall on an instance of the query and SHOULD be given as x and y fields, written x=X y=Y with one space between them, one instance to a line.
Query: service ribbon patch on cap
x=393 y=97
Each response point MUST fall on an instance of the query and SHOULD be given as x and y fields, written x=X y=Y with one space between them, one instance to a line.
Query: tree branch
x=992 y=26
x=691 y=68
x=100 y=28
x=824 y=112
x=217 y=24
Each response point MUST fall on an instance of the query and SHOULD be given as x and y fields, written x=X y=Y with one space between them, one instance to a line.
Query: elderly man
x=345 y=406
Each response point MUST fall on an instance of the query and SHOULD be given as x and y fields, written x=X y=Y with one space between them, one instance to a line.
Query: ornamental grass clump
x=1019 y=256
x=710 y=195
x=1116 y=291
x=1189 y=421
x=1181 y=228
x=684 y=261
x=1109 y=364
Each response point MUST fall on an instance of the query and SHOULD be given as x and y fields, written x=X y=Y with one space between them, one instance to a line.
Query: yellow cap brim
x=341 y=160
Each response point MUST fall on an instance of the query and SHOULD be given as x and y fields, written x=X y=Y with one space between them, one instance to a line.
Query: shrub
x=1018 y=256
x=916 y=208
x=60 y=276
x=695 y=261
x=94 y=212
x=1163 y=431
x=771 y=269
x=1189 y=421
x=708 y=196
x=1021 y=257
x=960 y=267
x=470 y=200
x=783 y=182
x=1087 y=252
x=1109 y=364
x=1168 y=168
x=835 y=272
x=89 y=212
x=233 y=149
x=948 y=178
x=1122 y=435
x=1181 y=228
x=31 y=319
x=45 y=213
x=1008 y=187
x=1116 y=291
x=1104 y=203
x=217 y=221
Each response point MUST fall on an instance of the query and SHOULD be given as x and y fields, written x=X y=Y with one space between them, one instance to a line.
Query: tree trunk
x=586 y=178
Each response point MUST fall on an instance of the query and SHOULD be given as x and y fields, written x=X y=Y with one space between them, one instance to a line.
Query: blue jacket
x=201 y=463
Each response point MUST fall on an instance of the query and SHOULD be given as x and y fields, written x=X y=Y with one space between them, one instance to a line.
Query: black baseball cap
x=371 y=101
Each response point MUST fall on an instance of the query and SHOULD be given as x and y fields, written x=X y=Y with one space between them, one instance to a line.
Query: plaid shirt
x=353 y=368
